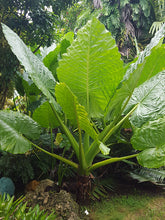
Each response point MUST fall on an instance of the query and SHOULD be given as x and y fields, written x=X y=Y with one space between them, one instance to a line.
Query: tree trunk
x=84 y=186
x=97 y=4
x=3 y=96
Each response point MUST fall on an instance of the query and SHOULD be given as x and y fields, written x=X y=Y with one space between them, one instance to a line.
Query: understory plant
x=94 y=86
x=16 y=209
x=143 y=174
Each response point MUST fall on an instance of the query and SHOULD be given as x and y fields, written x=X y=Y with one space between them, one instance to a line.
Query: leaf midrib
x=87 y=86
x=149 y=92
x=88 y=64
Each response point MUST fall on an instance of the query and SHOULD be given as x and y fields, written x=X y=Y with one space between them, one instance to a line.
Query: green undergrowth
x=136 y=206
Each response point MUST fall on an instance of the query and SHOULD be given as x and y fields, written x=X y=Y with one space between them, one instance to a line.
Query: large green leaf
x=92 y=67
x=150 y=135
x=151 y=98
x=74 y=111
x=151 y=139
x=45 y=116
x=39 y=74
x=15 y=128
x=153 y=64
x=152 y=158
x=147 y=51
x=149 y=63
x=52 y=59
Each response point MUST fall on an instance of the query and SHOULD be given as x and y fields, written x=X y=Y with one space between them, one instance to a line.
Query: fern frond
x=156 y=26
x=156 y=176
x=10 y=209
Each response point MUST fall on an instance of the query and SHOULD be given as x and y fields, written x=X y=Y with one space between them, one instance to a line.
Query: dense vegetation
x=37 y=23
x=41 y=22
x=91 y=108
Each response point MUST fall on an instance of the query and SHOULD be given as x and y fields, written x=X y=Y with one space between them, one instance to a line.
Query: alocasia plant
x=93 y=85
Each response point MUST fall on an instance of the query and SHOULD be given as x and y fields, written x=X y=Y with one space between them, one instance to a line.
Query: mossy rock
x=7 y=186
x=62 y=203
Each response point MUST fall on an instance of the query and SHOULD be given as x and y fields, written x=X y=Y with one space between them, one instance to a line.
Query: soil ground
x=128 y=201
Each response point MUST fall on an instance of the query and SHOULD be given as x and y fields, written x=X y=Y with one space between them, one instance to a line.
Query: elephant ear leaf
x=92 y=67
x=150 y=62
x=44 y=116
x=51 y=60
x=15 y=130
x=155 y=42
x=150 y=138
x=150 y=97
x=74 y=111
x=39 y=74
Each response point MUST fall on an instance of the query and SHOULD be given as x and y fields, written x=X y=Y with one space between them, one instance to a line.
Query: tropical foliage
x=156 y=176
x=36 y=22
x=10 y=209
x=159 y=10
x=93 y=85
x=128 y=21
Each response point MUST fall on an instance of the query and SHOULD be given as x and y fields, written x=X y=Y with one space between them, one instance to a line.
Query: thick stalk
x=134 y=82
x=75 y=165
x=103 y=137
x=82 y=160
x=94 y=145
x=67 y=132
x=108 y=161
x=86 y=142
x=112 y=130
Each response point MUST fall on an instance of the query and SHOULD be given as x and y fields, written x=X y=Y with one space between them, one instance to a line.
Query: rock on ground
x=62 y=203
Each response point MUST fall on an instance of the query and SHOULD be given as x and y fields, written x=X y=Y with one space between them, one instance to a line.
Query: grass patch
x=129 y=207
